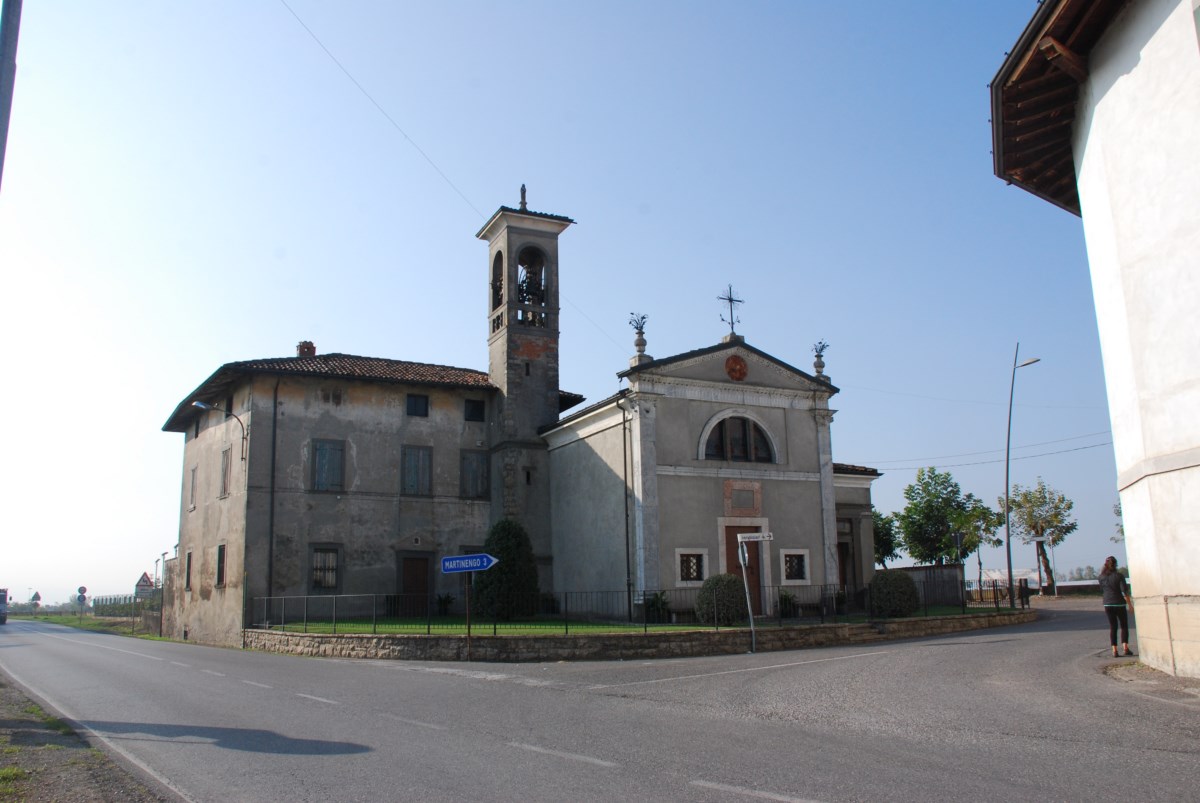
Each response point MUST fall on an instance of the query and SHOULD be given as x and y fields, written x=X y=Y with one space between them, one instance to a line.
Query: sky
x=191 y=184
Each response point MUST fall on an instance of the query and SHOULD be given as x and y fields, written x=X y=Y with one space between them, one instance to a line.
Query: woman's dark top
x=1114 y=588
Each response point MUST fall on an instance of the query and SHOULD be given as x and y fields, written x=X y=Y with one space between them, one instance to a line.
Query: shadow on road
x=250 y=740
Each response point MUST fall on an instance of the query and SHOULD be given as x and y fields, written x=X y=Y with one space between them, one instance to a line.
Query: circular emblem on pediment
x=736 y=367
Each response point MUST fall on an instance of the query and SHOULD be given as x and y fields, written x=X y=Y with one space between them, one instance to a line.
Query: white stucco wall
x=1137 y=154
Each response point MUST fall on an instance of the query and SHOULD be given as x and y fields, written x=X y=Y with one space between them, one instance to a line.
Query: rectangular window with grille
x=416 y=477
x=220 y=566
x=328 y=465
x=325 y=569
x=795 y=567
x=691 y=567
x=474 y=410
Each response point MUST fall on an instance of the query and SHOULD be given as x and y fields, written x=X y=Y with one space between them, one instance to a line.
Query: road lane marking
x=213 y=672
x=185 y=666
x=599 y=762
x=417 y=722
x=736 y=671
x=252 y=683
x=101 y=646
x=318 y=699
x=741 y=790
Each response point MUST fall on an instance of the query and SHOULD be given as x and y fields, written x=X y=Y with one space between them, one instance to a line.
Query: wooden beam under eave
x=1065 y=59
x=1027 y=88
x=1035 y=158
x=1034 y=135
x=1063 y=94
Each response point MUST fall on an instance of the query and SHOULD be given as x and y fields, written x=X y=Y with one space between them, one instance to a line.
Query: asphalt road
x=1018 y=712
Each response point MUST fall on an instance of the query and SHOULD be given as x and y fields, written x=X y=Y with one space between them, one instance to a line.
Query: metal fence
x=126 y=605
x=581 y=611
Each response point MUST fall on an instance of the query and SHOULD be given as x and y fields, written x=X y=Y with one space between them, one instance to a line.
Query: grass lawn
x=102 y=624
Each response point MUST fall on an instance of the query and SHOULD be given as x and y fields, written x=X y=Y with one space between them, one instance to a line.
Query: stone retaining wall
x=616 y=645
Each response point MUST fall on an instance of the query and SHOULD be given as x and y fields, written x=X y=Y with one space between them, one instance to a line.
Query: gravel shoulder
x=43 y=759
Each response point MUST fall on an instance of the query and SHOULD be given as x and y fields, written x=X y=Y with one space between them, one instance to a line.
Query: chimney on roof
x=305 y=348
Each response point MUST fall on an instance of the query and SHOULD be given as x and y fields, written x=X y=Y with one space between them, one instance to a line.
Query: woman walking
x=1116 y=598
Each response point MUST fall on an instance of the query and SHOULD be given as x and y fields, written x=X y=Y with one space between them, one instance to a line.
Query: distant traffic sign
x=468 y=563
x=744 y=537
x=83 y=589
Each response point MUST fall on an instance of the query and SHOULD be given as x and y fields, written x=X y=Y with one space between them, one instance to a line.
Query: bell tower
x=523 y=360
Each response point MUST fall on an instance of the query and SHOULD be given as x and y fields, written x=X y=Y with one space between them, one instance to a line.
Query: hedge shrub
x=894 y=594
x=508 y=590
x=722 y=600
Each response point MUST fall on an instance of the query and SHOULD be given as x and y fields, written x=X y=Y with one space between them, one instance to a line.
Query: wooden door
x=753 y=563
x=414 y=587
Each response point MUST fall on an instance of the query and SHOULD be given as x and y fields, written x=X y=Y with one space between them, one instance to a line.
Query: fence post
x=374 y=618
x=429 y=614
x=335 y=613
x=566 y=619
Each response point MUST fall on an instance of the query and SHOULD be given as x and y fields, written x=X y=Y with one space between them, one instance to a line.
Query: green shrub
x=893 y=594
x=788 y=606
x=658 y=608
x=722 y=600
x=508 y=590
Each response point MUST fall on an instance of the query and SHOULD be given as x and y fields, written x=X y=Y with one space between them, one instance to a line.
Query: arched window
x=740 y=440
x=531 y=277
x=497 y=281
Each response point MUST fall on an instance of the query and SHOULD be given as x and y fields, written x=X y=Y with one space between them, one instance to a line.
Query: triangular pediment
x=733 y=364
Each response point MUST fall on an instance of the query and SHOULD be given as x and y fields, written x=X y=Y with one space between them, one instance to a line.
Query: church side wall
x=588 y=492
x=1138 y=173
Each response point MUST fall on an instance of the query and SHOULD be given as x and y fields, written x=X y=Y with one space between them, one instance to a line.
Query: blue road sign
x=468 y=563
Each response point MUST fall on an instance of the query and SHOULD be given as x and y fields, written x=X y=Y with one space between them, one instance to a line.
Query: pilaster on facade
x=644 y=458
x=822 y=418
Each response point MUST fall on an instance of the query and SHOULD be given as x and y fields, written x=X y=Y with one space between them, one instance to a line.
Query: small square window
x=691 y=567
x=418 y=405
x=795 y=566
x=474 y=410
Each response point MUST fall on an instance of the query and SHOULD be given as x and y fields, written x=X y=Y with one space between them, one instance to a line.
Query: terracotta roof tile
x=348 y=366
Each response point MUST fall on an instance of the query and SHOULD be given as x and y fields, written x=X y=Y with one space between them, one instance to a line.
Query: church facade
x=333 y=474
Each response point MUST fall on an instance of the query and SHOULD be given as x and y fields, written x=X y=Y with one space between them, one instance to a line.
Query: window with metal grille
x=416 y=475
x=691 y=567
x=325 y=569
x=473 y=475
x=795 y=566
x=739 y=440
x=328 y=465
x=474 y=410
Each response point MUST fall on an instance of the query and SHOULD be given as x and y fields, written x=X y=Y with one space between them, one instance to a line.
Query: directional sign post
x=744 y=558
x=455 y=564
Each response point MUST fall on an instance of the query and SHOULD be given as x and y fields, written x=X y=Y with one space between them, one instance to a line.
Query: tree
x=1041 y=512
x=1120 y=536
x=927 y=522
x=887 y=540
x=510 y=588
x=977 y=523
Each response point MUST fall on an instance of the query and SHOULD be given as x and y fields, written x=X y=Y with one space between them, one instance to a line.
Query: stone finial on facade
x=305 y=348
x=523 y=206
x=638 y=322
x=819 y=349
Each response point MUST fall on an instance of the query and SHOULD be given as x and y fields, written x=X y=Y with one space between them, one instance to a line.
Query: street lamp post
x=206 y=406
x=1012 y=602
